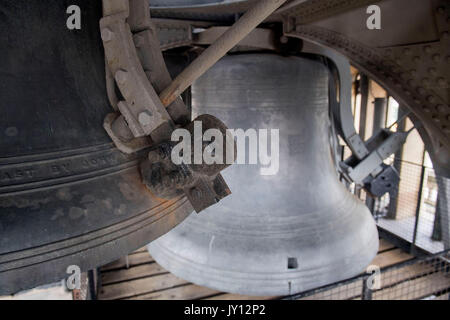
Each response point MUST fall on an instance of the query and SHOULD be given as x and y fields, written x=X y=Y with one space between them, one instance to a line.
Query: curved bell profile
x=283 y=233
x=68 y=197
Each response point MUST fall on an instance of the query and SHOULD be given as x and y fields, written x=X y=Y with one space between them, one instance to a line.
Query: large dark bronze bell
x=283 y=233
x=68 y=197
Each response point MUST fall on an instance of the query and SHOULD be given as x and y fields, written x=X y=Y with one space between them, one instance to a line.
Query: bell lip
x=270 y=283
x=22 y=270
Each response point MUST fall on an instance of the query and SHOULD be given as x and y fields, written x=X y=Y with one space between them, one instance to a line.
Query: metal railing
x=418 y=278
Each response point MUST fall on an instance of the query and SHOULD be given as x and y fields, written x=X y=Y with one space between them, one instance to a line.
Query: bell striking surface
x=276 y=234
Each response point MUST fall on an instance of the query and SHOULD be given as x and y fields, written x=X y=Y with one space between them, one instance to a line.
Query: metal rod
x=366 y=293
x=419 y=202
x=250 y=20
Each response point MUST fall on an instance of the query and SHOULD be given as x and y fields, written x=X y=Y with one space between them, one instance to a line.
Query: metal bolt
x=145 y=118
x=121 y=76
x=106 y=34
x=196 y=193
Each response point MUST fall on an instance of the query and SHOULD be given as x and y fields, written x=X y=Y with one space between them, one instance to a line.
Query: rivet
x=445 y=35
x=406 y=51
x=432 y=70
x=145 y=118
x=431 y=99
x=413 y=72
x=440 y=10
x=436 y=57
x=196 y=193
x=425 y=81
x=121 y=76
x=435 y=118
x=416 y=59
x=426 y=109
x=427 y=49
x=106 y=34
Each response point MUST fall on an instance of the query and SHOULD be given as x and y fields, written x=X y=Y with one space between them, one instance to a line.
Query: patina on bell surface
x=276 y=234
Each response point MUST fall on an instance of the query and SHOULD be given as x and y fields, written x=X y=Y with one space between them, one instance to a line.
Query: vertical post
x=437 y=231
x=366 y=291
x=419 y=202
x=379 y=114
x=364 y=91
x=393 y=195
x=444 y=210
x=379 y=122
x=92 y=283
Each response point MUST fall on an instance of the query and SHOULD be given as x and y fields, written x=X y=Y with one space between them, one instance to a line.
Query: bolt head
x=121 y=76
x=106 y=34
x=196 y=193
x=145 y=118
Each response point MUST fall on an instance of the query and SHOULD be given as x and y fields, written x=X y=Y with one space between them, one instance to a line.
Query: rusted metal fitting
x=202 y=183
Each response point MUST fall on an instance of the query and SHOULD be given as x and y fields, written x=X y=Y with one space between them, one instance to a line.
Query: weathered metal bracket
x=365 y=166
x=343 y=111
x=135 y=67
x=201 y=183
x=142 y=108
x=381 y=146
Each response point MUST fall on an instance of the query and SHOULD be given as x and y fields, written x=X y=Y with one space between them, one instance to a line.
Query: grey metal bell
x=276 y=234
